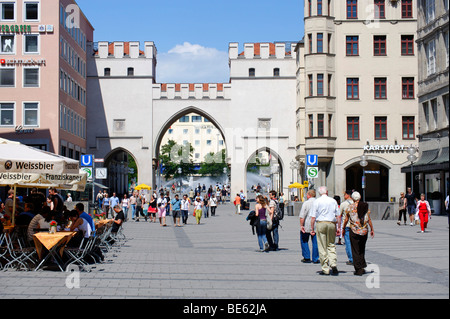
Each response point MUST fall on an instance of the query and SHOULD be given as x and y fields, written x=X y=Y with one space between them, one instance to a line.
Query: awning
x=442 y=158
x=427 y=157
x=432 y=160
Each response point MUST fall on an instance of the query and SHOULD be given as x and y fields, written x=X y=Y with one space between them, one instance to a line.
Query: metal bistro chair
x=77 y=255
x=22 y=253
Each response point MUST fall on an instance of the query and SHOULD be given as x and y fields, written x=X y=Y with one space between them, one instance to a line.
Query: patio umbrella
x=24 y=166
x=296 y=185
x=142 y=186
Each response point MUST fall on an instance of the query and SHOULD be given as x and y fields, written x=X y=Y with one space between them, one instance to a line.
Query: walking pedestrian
x=411 y=203
x=106 y=204
x=152 y=209
x=113 y=201
x=140 y=201
x=162 y=203
x=185 y=203
x=325 y=211
x=424 y=211
x=402 y=202
x=358 y=215
x=272 y=234
x=132 y=204
x=237 y=204
x=305 y=230
x=198 y=208
x=206 y=206
x=213 y=201
x=176 y=210
x=345 y=234
x=125 y=206
x=262 y=213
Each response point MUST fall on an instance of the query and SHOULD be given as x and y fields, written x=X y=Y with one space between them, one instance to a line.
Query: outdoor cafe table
x=102 y=222
x=55 y=244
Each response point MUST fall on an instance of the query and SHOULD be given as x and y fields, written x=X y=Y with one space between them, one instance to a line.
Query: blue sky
x=192 y=36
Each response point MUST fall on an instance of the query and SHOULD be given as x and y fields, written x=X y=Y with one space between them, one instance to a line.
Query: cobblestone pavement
x=219 y=259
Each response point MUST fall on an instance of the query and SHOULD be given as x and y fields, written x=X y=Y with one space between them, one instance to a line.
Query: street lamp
x=412 y=150
x=363 y=164
x=180 y=171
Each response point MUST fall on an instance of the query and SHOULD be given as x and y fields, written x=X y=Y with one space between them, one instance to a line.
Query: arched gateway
x=128 y=109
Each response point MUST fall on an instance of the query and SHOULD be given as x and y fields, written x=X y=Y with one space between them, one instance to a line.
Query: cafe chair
x=77 y=255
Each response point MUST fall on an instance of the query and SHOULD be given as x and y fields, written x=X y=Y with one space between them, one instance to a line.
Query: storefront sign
x=28 y=62
x=20 y=130
x=5 y=28
x=385 y=148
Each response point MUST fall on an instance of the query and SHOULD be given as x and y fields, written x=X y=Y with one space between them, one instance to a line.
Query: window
x=379 y=9
x=445 y=100
x=352 y=45
x=320 y=125
x=311 y=125
x=7 y=12
x=6 y=114
x=208 y=142
x=197 y=155
x=184 y=119
x=31 y=114
x=319 y=7
x=379 y=45
x=31 y=11
x=426 y=114
x=251 y=72
x=329 y=43
x=276 y=72
x=31 y=77
x=7 y=77
x=408 y=127
x=309 y=8
x=31 y=44
x=352 y=9
x=196 y=119
x=407 y=9
x=320 y=84
x=434 y=109
x=381 y=128
x=380 y=88
x=329 y=84
x=429 y=11
x=197 y=131
x=408 y=88
x=310 y=46
x=353 y=128
x=352 y=88
x=407 y=44
x=7 y=44
x=330 y=121
x=107 y=72
x=319 y=42
x=185 y=132
x=130 y=71
x=197 y=143
x=430 y=52
x=311 y=85
x=446 y=48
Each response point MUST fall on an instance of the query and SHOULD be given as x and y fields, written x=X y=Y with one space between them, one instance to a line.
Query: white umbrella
x=25 y=166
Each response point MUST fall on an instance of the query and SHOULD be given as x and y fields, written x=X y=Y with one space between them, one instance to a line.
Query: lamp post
x=180 y=171
x=363 y=164
x=412 y=158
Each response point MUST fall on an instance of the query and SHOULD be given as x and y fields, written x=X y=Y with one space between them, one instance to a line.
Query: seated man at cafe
x=79 y=225
x=118 y=220
x=80 y=209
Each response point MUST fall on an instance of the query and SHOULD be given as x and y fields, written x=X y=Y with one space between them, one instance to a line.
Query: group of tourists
x=418 y=210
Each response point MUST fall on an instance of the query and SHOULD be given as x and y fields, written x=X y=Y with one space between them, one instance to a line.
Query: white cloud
x=192 y=63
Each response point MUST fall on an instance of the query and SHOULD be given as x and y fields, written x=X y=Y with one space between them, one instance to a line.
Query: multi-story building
x=43 y=47
x=204 y=137
x=431 y=171
x=360 y=93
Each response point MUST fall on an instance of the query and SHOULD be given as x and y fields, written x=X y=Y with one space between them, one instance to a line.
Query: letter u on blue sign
x=312 y=160
x=86 y=160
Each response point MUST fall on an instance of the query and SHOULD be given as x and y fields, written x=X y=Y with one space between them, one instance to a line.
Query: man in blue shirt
x=80 y=210
x=176 y=209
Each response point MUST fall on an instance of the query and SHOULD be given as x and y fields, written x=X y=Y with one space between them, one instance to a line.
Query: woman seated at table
x=79 y=225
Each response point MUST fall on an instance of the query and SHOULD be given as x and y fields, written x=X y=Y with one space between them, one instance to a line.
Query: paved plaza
x=219 y=259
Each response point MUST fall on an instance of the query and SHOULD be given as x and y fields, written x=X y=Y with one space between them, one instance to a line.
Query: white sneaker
x=412 y=224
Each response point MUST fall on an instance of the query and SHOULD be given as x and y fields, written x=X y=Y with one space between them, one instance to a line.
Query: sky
x=192 y=36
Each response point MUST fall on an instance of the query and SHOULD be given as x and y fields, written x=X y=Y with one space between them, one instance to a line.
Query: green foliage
x=214 y=164
x=174 y=156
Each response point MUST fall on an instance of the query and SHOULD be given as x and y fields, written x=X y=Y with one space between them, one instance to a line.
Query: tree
x=214 y=164
x=174 y=156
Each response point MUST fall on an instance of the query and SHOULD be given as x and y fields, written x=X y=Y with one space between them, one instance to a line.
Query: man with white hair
x=326 y=213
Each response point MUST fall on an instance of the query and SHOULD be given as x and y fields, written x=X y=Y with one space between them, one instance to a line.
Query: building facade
x=359 y=93
x=43 y=47
x=431 y=170
x=128 y=111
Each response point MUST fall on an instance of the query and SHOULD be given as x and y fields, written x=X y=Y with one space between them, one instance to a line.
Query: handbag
x=269 y=222
x=193 y=213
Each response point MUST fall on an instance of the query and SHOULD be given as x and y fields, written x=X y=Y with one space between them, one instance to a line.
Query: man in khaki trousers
x=325 y=213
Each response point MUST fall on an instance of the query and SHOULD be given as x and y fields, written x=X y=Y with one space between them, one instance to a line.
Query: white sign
x=88 y=170
x=312 y=172
x=385 y=148
x=101 y=173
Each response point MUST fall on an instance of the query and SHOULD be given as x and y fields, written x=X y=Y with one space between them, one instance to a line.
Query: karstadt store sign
x=23 y=62
x=396 y=148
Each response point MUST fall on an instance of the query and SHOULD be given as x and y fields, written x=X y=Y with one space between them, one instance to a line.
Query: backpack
x=278 y=213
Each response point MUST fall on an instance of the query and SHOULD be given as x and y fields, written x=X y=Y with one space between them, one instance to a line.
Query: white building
x=130 y=113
